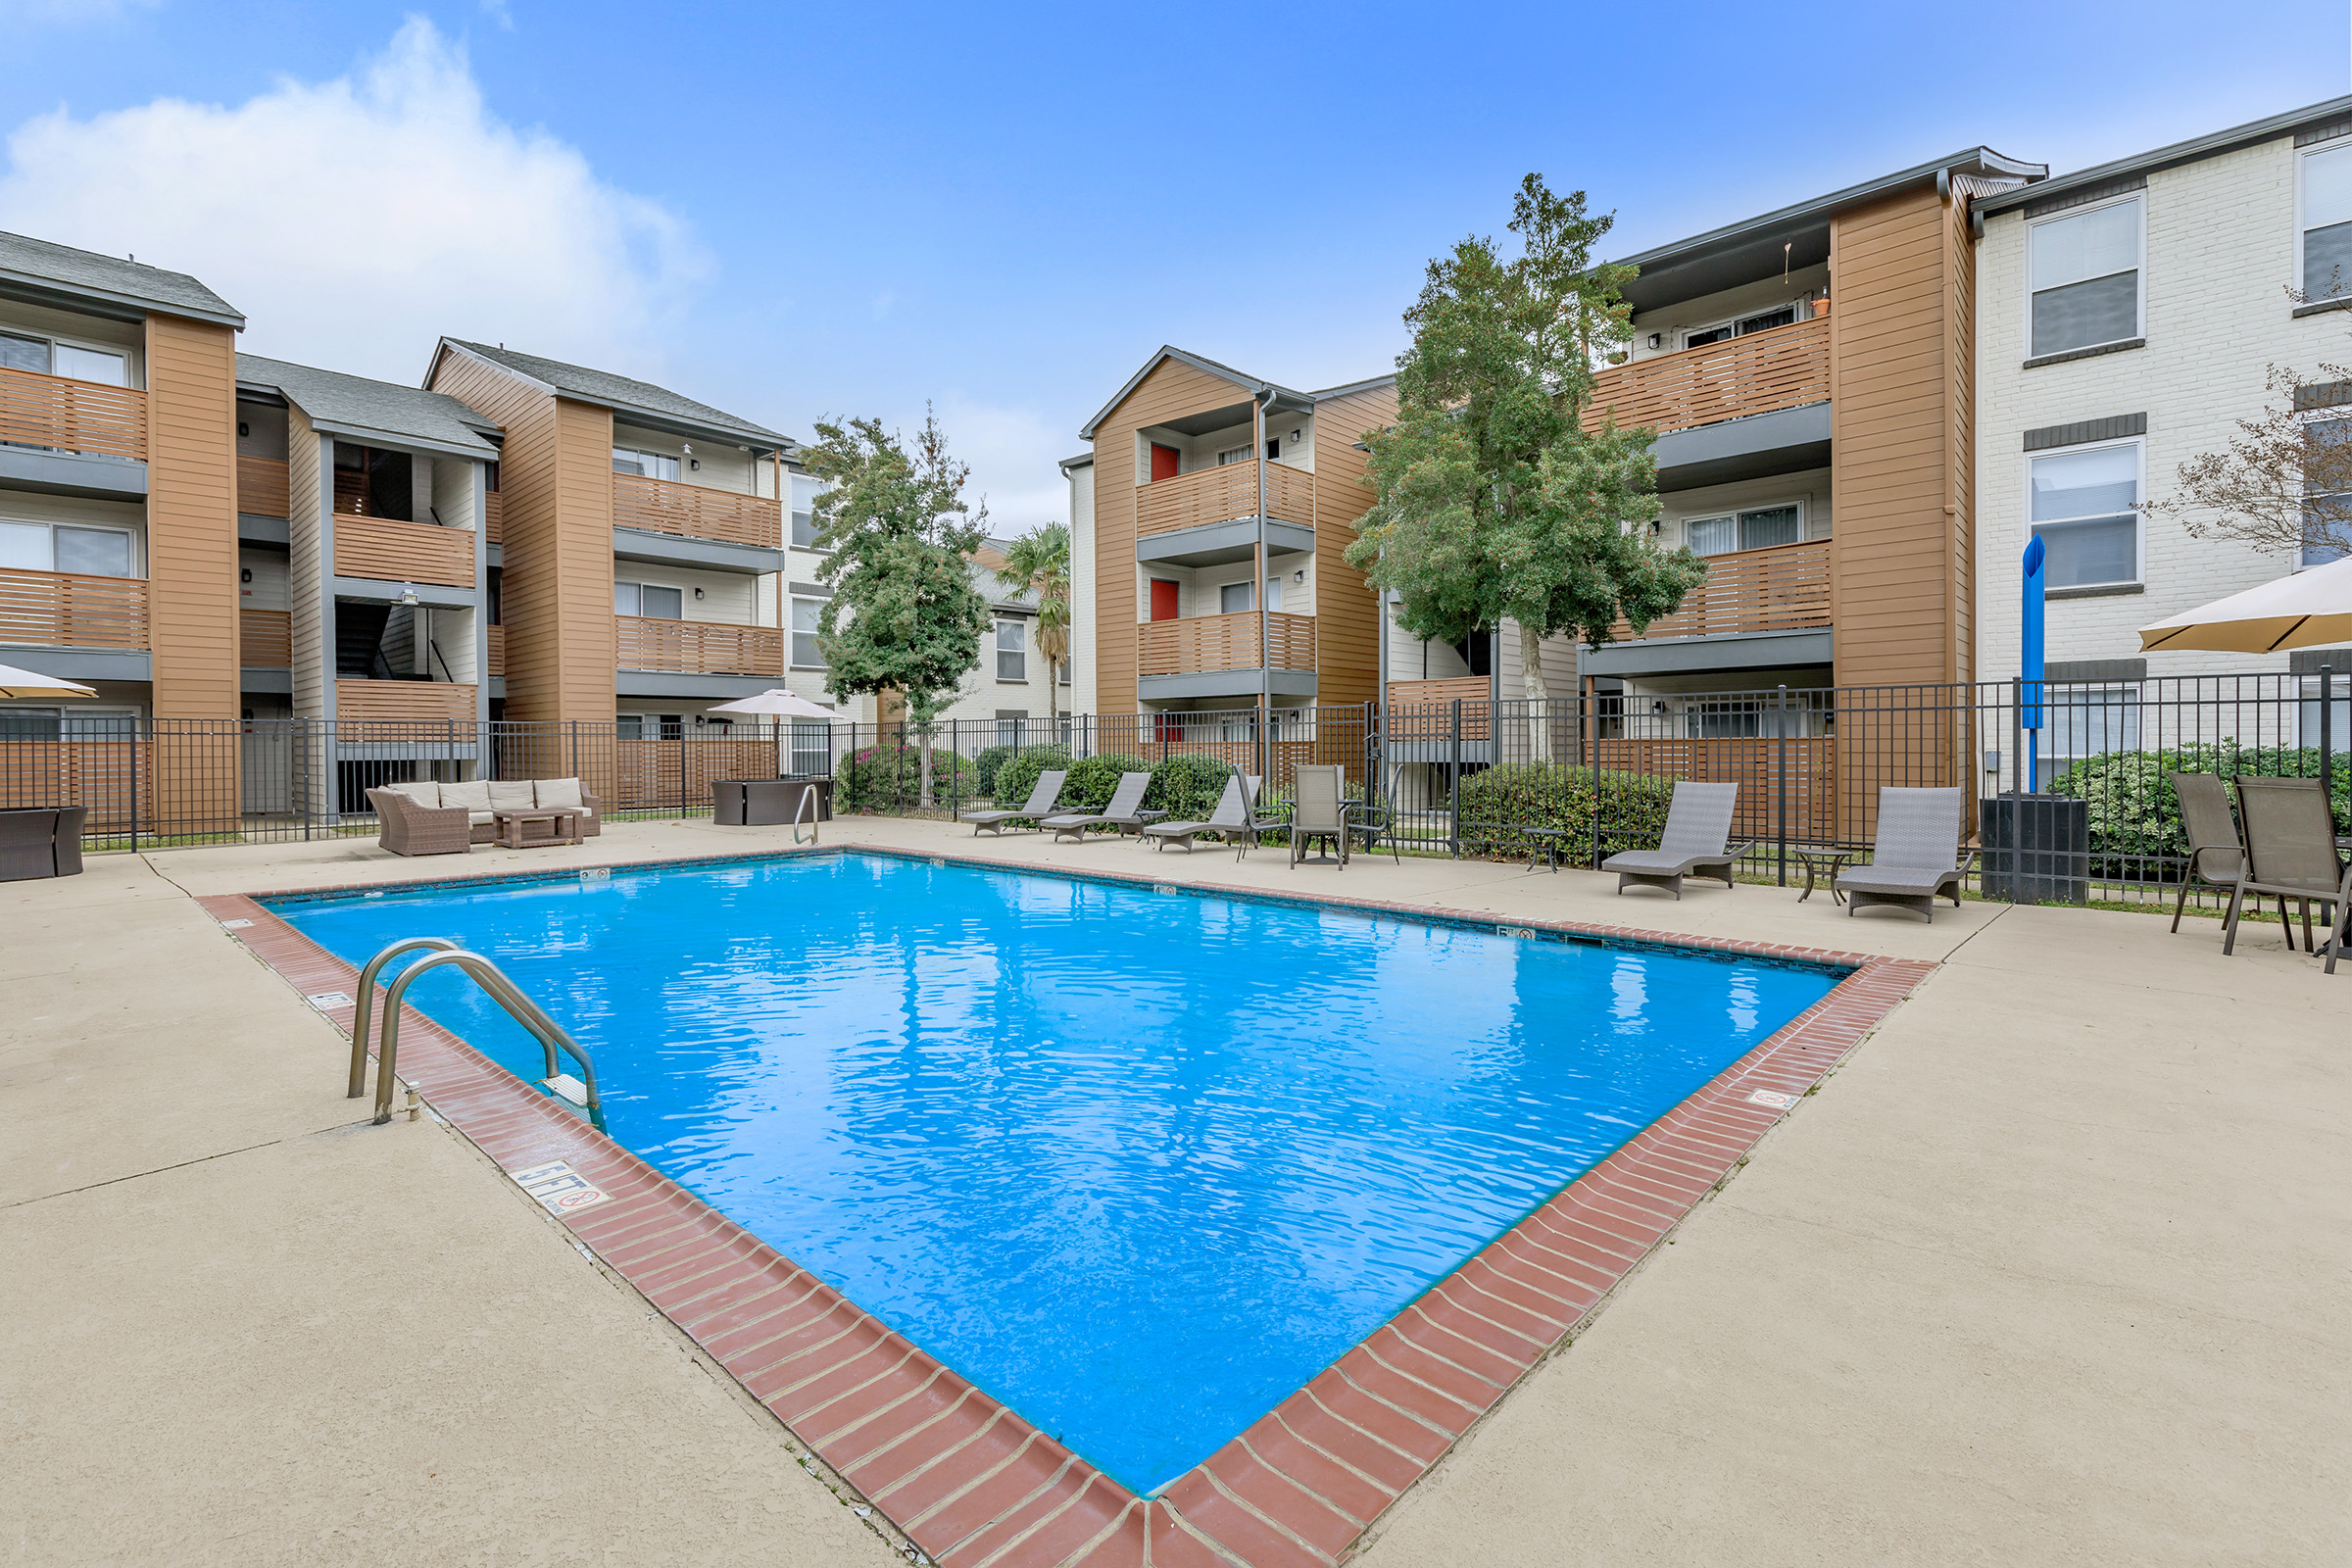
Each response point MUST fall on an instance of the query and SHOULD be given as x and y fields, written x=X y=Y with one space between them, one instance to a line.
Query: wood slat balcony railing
x=262 y=486
x=494 y=517
x=1784 y=368
x=407 y=702
x=391 y=550
x=1223 y=495
x=1782 y=588
x=264 y=639
x=70 y=610
x=661 y=505
x=497 y=650
x=1199 y=643
x=1416 y=705
x=64 y=414
x=698 y=647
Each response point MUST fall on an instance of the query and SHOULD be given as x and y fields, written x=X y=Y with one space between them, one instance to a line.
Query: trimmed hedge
x=985 y=764
x=1016 y=776
x=877 y=778
x=1187 y=787
x=1500 y=803
x=1094 y=781
x=2136 y=816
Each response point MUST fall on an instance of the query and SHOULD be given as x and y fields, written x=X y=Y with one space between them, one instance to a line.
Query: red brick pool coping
x=973 y=1485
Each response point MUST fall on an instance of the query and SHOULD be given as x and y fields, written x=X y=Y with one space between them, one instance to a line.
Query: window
x=47 y=357
x=651 y=726
x=1234 y=597
x=67 y=724
x=1724 y=717
x=1754 y=529
x=46 y=546
x=1230 y=454
x=807 y=616
x=1012 y=650
x=2086 y=272
x=645 y=464
x=1762 y=321
x=2328 y=479
x=804 y=492
x=2324 y=213
x=647 y=599
x=2085 y=507
x=1012 y=725
x=812 y=745
x=629 y=726
x=2080 y=722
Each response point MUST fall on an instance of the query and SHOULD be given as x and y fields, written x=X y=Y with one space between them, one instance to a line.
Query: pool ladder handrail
x=496 y=986
x=808 y=804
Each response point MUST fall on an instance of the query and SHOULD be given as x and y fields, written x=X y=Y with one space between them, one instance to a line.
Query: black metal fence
x=1574 y=779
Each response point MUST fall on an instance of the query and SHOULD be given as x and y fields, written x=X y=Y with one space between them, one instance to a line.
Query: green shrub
x=1017 y=774
x=1094 y=781
x=983 y=768
x=2136 y=816
x=887 y=777
x=1187 y=787
x=1499 y=804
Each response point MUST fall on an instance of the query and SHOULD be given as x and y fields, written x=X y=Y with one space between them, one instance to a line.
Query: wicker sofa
x=430 y=819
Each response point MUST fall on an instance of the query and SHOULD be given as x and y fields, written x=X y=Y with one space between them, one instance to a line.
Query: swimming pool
x=1138 y=1164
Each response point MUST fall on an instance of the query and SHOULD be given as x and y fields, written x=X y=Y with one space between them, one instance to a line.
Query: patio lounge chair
x=1697 y=842
x=1039 y=805
x=1318 y=810
x=1234 y=819
x=2215 y=855
x=1917 y=857
x=2290 y=853
x=1124 y=811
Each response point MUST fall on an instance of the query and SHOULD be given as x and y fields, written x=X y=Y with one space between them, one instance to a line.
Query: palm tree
x=1039 y=561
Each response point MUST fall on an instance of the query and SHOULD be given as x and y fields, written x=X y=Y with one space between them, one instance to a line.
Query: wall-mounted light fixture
x=698 y=592
x=244 y=574
x=1657 y=340
x=408 y=593
x=243 y=430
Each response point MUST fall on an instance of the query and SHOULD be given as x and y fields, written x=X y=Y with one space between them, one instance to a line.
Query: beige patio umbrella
x=777 y=703
x=2305 y=610
x=25 y=684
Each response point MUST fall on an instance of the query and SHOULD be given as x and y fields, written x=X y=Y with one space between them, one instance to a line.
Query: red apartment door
x=1163 y=599
x=1165 y=462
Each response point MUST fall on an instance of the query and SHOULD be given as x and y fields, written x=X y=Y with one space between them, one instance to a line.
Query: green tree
x=905 y=615
x=1494 y=501
x=1039 y=562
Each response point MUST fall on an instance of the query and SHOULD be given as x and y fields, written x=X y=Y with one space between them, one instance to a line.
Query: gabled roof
x=1249 y=383
x=640 y=401
x=2333 y=116
x=40 y=266
x=356 y=407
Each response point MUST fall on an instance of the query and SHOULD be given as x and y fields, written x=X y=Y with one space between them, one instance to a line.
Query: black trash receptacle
x=2036 y=848
x=727 y=803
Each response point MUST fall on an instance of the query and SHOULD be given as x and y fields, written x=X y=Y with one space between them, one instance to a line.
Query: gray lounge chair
x=1318 y=810
x=1124 y=811
x=2290 y=853
x=1697 y=842
x=1233 y=818
x=1036 y=808
x=2215 y=855
x=1917 y=857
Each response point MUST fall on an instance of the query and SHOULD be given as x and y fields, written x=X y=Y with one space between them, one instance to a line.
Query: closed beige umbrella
x=2305 y=610
x=30 y=685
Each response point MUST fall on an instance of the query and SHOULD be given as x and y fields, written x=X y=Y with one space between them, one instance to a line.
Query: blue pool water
x=1138 y=1164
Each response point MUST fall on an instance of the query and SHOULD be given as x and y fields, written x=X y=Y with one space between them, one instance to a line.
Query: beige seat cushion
x=474 y=795
x=555 y=794
x=481 y=818
x=427 y=793
x=511 y=795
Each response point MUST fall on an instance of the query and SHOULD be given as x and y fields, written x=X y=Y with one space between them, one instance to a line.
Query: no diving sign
x=563 y=1189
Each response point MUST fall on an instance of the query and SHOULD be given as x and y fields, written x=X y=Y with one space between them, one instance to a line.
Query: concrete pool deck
x=2053 y=1266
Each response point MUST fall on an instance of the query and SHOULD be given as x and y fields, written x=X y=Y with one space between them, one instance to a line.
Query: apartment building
x=118 y=489
x=1193 y=468
x=2131 y=314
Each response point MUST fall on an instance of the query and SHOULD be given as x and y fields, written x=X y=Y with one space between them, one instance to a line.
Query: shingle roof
x=623 y=395
x=354 y=405
x=112 y=278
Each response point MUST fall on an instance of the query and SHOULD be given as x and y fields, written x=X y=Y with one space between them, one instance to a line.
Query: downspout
x=1265 y=673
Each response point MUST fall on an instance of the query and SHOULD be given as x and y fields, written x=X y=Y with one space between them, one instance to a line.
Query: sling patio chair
x=1697 y=841
x=1917 y=857
x=1036 y=808
x=2290 y=853
x=1318 y=811
x=1124 y=811
x=2216 y=858
x=1235 y=820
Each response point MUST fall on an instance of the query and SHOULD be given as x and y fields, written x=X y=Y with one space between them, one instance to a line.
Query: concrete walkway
x=2054 y=1270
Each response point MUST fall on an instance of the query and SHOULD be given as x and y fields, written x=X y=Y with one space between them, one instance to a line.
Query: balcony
x=494 y=517
x=498 y=651
x=264 y=639
x=698 y=647
x=1783 y=588
x=387 y=550
x=262 y=486
x=693 y=512
x=404 y=702
x=1785 y=367
x=67 y=610
x=1205 y=644
x=1224 y=494
x=61 y=415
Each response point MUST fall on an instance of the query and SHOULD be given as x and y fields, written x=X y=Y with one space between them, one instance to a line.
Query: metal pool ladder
x=580 y=1091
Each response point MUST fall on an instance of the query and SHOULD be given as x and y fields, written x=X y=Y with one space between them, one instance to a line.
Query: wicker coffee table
x=563 y=826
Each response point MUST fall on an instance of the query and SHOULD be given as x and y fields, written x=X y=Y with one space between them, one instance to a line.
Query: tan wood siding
x=494 y=517
x=433 y=702
x=312 y=637
x=192 y=521
x=584 y=481
x=1346 y=610
x=264 y=639
x=262 y=486
x=68 y=610
x=389 y=550
x=497 y=650
x=64 y=414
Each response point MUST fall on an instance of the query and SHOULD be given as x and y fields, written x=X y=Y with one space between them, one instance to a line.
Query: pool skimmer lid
x=329 y=1001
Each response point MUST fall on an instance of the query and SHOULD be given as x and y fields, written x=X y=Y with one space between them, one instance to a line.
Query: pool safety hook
x=580 y=1091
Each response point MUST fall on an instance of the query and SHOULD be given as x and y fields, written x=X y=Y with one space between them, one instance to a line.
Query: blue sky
x=793 y=211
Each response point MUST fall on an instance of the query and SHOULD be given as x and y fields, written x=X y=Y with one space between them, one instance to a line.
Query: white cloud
x=1013 y=452
x=353 y=221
